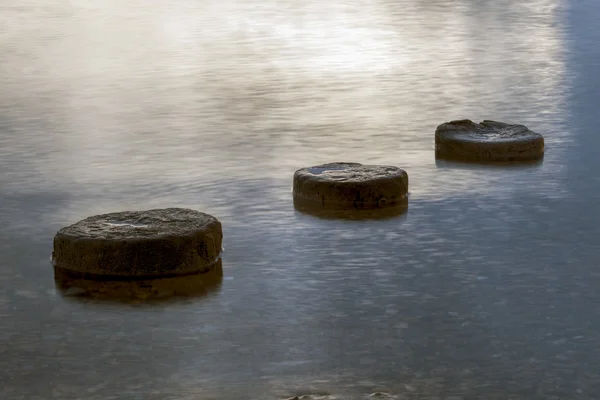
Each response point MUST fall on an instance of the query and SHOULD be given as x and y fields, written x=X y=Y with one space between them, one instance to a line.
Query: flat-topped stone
x=487 y=141
x=139 y=244
x=350 y=186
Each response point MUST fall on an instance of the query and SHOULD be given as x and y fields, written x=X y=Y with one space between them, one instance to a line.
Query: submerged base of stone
x=450 y=163
x=309 y=207
x=86 y=286
x=65 y=272
x=488 y=141
x=350 y=186
x=139 y=245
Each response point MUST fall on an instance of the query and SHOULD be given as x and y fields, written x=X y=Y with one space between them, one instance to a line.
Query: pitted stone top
x=350 y=172
x=486 y=131
x=144 y=225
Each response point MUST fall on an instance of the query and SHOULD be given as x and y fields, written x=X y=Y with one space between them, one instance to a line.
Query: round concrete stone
x=350 y=186
x=139 y=244
x=487 y=141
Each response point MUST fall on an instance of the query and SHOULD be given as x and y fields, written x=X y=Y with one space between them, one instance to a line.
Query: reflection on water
x=479 y=167
x=308 y=207
x=481 y=290
x=168 y=82
x=146 y=290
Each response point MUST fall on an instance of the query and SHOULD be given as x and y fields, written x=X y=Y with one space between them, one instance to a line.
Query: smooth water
x=487 y=288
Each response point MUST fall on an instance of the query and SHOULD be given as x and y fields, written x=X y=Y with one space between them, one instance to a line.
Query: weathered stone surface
x=350 y=186
x=487 y=141
x=139 y=244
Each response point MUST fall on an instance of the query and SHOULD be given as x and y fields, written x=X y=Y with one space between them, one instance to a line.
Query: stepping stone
x=139 y=245
x=488 y=141
x=350 y=186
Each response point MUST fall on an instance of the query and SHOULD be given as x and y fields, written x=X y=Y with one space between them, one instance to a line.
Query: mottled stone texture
x=136 y=244
x=487 y=141
x=350 y=186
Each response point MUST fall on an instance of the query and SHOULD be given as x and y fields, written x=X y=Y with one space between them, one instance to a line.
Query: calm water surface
x=487 y=288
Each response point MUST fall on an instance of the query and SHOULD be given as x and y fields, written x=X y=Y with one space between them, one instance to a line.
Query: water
x=485 y=289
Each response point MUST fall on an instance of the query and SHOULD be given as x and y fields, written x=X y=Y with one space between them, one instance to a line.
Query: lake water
x=487 y=288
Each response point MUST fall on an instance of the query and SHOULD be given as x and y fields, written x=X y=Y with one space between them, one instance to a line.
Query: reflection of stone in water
x=368 y=214
x=470 y=164
x=187 y=286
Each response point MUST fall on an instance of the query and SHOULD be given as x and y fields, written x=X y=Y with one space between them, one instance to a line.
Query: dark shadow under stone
x=163 y=289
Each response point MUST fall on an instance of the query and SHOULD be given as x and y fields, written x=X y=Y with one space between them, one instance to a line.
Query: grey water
x=486 y=288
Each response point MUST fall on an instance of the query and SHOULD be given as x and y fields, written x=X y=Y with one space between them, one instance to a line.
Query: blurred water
x=484 y=289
